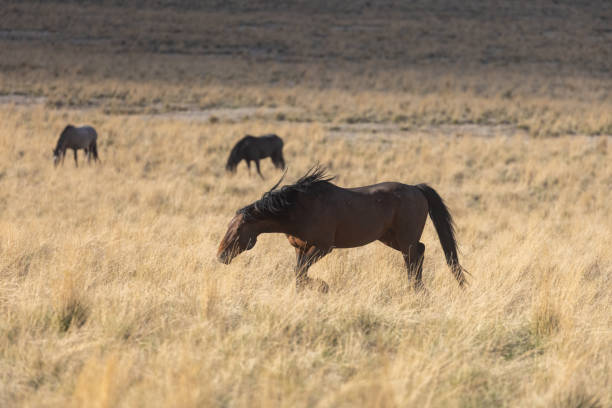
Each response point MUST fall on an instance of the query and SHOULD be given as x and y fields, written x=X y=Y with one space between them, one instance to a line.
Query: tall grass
x=112 y=296
x=110 y=293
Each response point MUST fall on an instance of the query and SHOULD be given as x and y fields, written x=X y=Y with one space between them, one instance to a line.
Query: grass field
x=110 y=293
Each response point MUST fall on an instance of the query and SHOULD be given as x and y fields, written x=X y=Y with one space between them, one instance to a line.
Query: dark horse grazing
x=76 y=138
x=318 y=216
x=251 y=148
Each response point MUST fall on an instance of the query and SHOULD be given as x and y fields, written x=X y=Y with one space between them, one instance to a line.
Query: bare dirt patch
x=228 y=114
x=22 y=99
x=374 y=131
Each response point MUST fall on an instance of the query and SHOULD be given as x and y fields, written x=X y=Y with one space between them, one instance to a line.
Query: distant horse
x=318 y=216
x=76 y=138
x=251 y=148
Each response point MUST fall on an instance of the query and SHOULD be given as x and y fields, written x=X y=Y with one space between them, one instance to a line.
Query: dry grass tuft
x=577 y=399
x=101 y=382
x=70 y=302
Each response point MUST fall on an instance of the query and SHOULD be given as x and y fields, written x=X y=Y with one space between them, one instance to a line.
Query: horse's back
x=272 y=139
x=88 y=131
x=246 y=140
x=403 y=195
x=81 y=136
x=262 y=146
x=384 y=187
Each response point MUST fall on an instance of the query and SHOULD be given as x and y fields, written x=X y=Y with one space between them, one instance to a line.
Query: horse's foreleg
x=248 y=162
x=414 y=263
x=278 y=160
x=281 y=160
x=76 y=163
x=258 y=171
x=306 y=257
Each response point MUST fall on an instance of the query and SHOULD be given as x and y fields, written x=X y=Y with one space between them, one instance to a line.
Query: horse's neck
x=61 y=143
x=270 y=225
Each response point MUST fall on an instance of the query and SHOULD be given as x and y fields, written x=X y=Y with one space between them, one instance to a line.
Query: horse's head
x=230 y=167
x=56 y=156
x=58 y=152
x=238 y=153
x=232 y=161
x=240 y=236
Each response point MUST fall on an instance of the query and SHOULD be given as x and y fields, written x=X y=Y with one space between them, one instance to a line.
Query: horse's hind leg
x=413 y=257
x=94 y=150
x=306 y=257
x=76 y=162
x=414 y=263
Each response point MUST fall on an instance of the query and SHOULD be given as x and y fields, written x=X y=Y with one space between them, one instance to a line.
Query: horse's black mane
x=235 y=156
x=62 y=136
x=277 y=202
x=67 y=128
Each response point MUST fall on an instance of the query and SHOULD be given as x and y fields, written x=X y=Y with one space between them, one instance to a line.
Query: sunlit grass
x=112 y=294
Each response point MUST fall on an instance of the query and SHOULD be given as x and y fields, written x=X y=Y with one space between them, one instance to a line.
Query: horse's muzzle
x=224 y=258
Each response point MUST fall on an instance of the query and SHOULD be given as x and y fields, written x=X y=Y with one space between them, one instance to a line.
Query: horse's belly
x=350 y=236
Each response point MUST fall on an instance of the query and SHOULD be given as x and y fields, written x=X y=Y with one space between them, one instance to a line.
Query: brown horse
x=318 y=216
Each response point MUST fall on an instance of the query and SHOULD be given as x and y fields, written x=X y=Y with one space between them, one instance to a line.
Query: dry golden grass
x=112 y=296
x=110 y=293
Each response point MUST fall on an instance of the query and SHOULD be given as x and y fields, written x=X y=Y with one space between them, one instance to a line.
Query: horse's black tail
x=443 y=222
